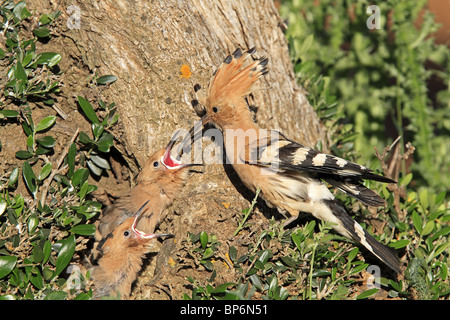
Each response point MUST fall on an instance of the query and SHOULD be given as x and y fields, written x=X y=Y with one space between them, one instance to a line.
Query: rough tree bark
x=145 y=43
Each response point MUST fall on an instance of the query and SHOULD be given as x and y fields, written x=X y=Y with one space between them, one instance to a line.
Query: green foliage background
x=378 y=79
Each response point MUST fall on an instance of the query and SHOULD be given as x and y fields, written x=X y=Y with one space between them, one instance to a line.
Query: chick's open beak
x=142 y=235
x=171 y=163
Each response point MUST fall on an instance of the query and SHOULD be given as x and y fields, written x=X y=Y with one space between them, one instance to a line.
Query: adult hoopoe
x=290 y=175
x=161 y=179
x=121 y=258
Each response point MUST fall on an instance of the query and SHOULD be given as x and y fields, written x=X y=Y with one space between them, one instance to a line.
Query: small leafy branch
x=36 y=146
x=31 y=75
x=378 y=81
x=102 y=140
x=32 y=260
x=40 y=238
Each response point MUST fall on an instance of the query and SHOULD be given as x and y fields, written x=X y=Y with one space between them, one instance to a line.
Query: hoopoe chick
x=161 y=179
x=121 y=259
x=290 y=175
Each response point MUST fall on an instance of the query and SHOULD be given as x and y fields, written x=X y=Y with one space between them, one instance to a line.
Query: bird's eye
x=215 y=109
x=156 y=164
x=126 y=233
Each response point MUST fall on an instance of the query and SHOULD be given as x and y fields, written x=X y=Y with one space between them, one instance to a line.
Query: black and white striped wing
x=291 y=157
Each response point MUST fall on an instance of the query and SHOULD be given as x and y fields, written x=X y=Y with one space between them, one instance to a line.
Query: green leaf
x=352 y=254
x=321 y=273
x=273 y=284
x=288 y=261
x=264 y=256
x=7 y=264
x=82 y=296
x=417 y=222
x=20 y=11
x=46 y=169
x=221 y=288
x=84 y=229
x=47 y=141
x=306 y=44
x=45 y=123
x=440 y=197
x=97 y=130
x=8 y=114
x=108 y=79
x=399 y=244
x=203 y=239
x=395 y=285
x=256 y=281
x=406 y=180
x=47 y=251
x=442 y=232
x=30 y=142
x=83 y=190
x=100 y=162
x=424 y=198
x=298 y=239
x=56 y=295
x=48 y=58
x=13 y=177
x=359 y=266
x=42 y=150
x=102 y=104
x=112 y=120
x=32 y=223
x=37 y=280
x=366 y=294
x=208 y=253
x=45 y=19
x=309 y=228
x=232 y=253
x=84 y=138
x=80 y=176
x=207 y=264
x=29 y=177
x=28 y=125
x=88 y=110
x=429 y=226
x=65 y=254
x=71 y=159
x=21 y=77
x=105 y=142
x=41 y=32
x=38 y=255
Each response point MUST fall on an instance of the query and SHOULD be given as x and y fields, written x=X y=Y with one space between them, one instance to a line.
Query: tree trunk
x=145 y=43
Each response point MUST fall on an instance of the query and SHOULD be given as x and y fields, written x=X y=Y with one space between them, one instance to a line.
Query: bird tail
x=350 y=228
x=358 y=191
x=237 y=74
